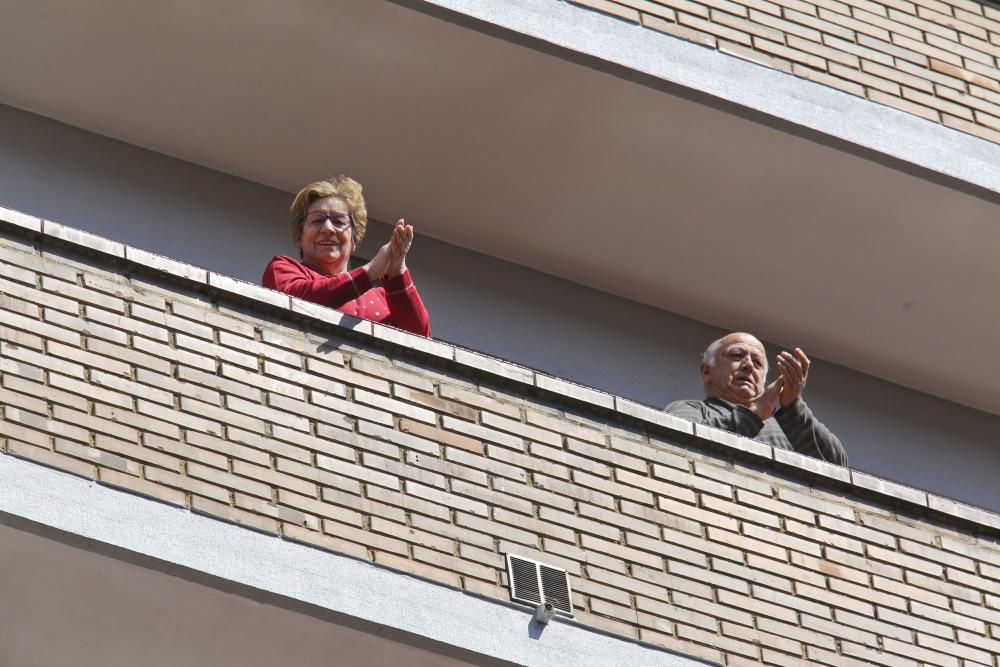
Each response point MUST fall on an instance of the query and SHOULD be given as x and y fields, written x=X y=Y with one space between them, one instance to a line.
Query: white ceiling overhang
x=564 y=162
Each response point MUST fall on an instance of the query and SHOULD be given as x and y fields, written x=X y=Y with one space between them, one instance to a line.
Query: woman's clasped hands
x=390 y=260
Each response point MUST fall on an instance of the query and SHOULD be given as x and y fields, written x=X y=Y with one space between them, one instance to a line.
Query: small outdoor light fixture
x=544 y=612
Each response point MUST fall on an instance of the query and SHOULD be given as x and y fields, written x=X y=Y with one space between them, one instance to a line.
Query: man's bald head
x=708 y=356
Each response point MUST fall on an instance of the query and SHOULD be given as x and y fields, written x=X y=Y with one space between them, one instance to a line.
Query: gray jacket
x=793 y=427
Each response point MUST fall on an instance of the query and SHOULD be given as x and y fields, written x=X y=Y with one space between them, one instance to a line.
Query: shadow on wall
x=139 y=197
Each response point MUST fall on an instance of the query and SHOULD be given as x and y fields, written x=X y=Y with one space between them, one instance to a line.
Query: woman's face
x=327 y=236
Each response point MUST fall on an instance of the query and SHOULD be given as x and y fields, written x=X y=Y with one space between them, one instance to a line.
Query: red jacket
x=396 y=303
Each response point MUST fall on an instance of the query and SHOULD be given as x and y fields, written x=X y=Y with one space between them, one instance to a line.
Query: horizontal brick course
x=190 y=401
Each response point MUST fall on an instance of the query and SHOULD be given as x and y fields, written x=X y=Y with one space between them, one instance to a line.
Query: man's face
x=737 y=370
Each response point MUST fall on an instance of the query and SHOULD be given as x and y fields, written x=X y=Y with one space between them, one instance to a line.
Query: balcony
x=182 y=445
x=696 y=148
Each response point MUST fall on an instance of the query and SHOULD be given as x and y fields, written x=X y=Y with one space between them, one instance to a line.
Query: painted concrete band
x=806 y=103
x=177 y=536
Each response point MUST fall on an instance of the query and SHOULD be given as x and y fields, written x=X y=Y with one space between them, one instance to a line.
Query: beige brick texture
x=438 y=472
x=890 y=51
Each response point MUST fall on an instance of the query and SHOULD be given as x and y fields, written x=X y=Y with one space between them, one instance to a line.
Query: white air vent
x=536 y=583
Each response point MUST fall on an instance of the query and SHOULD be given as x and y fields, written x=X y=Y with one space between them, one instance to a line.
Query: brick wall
x=182 y=385
x=936 y=59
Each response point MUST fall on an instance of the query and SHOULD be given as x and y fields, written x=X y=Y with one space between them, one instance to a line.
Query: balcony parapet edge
x=21 y=220
x=81 y=239
x=163 y=264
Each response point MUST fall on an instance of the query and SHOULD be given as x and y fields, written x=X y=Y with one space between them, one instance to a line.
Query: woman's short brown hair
x=343 y=188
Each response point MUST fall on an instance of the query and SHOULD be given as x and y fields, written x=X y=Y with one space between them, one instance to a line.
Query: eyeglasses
x=340 y=221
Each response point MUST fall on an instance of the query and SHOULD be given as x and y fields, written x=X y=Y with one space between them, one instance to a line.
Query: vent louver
x=535 y=583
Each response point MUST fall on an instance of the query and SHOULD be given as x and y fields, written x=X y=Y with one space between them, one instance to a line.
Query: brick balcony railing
x=193 y=389
x=933 y=58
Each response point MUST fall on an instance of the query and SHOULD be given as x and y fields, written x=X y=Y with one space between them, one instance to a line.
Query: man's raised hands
x=793 y=369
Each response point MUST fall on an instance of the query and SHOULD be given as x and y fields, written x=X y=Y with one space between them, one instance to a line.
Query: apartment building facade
x=599 y=188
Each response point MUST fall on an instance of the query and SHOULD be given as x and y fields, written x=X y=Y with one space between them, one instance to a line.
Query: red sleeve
x=407 y=309
x=286 y=275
